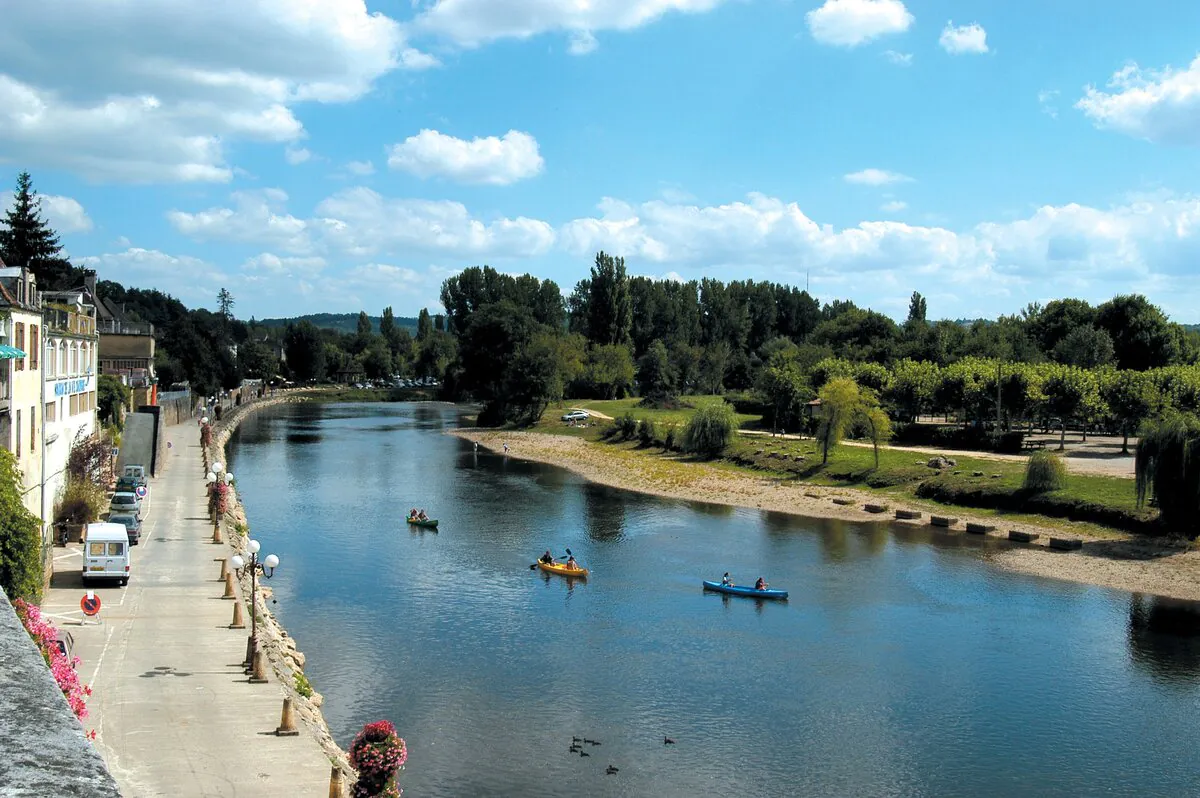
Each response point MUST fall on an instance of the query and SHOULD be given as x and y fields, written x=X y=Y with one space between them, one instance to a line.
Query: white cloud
x=876 y=177
x=273 y=265
x=493 y=160
x=899 y=59
x=152 y=91
x=582 y=42
x=359 y=223
x=193 y=280
x=1048 y=102
x=360 y=168
x=65 y=214
x=1139 y=246
x=963 y=39
x=296 y=155
x=849 y=23
x=470 y=23
x=893 y=206
x=1162 y=106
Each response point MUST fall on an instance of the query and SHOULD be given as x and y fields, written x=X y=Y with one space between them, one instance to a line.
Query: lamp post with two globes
x=266 y=566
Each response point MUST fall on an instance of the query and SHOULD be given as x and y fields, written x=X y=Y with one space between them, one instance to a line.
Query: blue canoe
x=739 y=590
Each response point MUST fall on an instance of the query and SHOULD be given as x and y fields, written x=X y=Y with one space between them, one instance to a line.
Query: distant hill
x=342 y=322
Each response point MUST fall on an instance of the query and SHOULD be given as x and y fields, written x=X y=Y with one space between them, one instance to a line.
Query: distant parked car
x=132 y=524
x=66 y=644
x=125 y=502
x=576 y=415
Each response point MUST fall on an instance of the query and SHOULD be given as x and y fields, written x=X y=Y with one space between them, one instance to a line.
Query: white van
x=106 y=553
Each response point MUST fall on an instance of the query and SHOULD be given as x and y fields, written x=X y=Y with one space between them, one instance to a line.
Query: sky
x=335 y=155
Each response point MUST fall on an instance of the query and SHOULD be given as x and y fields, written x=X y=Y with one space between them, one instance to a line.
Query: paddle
x=535 y=565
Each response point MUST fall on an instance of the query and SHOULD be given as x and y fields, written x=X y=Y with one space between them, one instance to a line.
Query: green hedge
x=1019 y=500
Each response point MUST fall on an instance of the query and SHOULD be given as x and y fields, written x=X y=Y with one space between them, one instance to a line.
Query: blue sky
x=326 y=155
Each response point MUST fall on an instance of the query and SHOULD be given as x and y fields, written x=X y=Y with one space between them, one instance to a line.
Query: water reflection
x=1164 y=637
x=604 y=511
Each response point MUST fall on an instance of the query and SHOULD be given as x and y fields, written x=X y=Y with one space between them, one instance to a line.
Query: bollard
x=238 y=623
x=248 y=662
x=335 y=782
x=260 y=669
x=216 y=538
x=287 y=723
x=229 y=594
x=224 y=568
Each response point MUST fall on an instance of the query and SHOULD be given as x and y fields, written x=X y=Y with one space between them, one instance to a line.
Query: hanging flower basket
x=378 y=754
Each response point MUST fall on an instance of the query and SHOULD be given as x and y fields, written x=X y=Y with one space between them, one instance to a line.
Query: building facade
x=126 y=348
x=70 y=366
x=21 y=404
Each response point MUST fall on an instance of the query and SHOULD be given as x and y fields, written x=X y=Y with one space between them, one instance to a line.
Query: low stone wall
x=274 y=640
x=42 y=748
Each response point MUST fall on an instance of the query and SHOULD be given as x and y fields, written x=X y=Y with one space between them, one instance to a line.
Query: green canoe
x=430 y=523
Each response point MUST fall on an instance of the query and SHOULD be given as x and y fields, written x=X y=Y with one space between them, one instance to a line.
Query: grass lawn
x=618 y=407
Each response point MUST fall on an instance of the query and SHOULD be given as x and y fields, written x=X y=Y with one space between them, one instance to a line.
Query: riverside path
x=173 y=712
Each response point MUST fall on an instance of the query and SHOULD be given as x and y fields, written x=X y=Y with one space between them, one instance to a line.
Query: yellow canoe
x=562 y=569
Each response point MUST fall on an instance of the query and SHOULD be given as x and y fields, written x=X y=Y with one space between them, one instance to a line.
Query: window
x=116 y=549
x=93 y=402
x=96 y=549
x=50 y=415
x=51 y=359
x=62 y=359
x=19 y=343
x=84 y=361
x=34 y=346
x=74 y=359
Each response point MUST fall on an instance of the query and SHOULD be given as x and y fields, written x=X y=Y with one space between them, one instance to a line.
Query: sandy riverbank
x=285 y=660
x=1118 y=561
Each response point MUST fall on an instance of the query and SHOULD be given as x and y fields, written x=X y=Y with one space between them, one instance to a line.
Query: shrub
x=671 y=439
x=1045 y=473
x=20 y=536
x=646 y=432
x=1009 y=442
x=303 y=686
x=627 y=427
x=82 y=502
x=377 y=753
x=710 y=430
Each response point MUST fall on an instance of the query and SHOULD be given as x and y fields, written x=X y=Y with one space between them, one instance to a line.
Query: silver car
x=126 y=502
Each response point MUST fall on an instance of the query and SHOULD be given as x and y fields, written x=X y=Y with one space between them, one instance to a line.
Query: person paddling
x=761 y=584
x=547 y=558
x=571 y=564
x=726 y=580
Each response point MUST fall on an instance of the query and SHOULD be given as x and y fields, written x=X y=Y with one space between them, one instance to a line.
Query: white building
x=71 y=352
x=21 y=379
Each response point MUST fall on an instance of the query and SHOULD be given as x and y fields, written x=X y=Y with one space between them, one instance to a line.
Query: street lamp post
x=254 y=566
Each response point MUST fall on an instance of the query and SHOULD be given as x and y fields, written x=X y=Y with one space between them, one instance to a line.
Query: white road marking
x=100 y=661
x=73 y=553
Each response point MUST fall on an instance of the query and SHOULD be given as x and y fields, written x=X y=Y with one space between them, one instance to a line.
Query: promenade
x=173 y=711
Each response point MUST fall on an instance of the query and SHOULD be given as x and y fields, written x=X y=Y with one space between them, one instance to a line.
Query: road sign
x=116 y=451
x=90 y=604
x=141 y=491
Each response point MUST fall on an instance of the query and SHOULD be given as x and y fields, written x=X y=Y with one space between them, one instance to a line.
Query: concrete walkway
x=173 y=711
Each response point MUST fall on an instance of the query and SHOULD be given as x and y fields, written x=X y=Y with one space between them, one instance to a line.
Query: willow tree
x=1167 y=466
x=840 y=400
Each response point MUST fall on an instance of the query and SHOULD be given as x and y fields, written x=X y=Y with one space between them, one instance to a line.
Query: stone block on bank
x=1022 y=537
x=943 y=521
x=908 y=515
x=842 y=501
x=875 y=508
x=1066 y=544
x=979 y=529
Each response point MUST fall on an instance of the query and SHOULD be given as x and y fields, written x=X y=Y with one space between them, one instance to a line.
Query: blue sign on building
x=67 y=387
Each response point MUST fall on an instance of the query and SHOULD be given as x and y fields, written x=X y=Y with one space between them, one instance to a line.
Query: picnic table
x=1031 y=445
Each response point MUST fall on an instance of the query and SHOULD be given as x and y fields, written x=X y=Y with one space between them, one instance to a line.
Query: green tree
x=225 y=303
x=840 y=400
x=257 y=360
x=1050 y=325
x=784 y=386
x=916 y=308
x=26 y=239
x=709 y=430
x=876 y=421
x=1070 y=393
x=424 y=325
x=714 y=359
x=656 y=378
x=1167 y=468
x=20 y=537
x=305 y=351
x=1130 y=399
x=1085 y=347
x=609 y=370
x=1141 y=335
x=112 y=398
x=377 y=360
x=609 y=309
x=913 y=386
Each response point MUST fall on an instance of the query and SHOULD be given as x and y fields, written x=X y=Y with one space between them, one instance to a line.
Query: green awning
x=9 y=352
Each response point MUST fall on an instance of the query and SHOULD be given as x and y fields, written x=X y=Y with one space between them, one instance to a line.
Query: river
x=904 y=664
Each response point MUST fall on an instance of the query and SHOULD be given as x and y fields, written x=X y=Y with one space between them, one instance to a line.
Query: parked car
x=132 y=524
x=576 y=415
x=127 y=485
x=126 y=502
x=106 y=553
x=136 y=472
x=66 y=644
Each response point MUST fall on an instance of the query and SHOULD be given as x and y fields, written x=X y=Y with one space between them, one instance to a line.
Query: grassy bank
x=618 y=407
x=981 y=484
x=368 y=395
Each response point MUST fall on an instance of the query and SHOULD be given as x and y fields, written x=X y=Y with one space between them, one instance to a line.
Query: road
x=173 y=711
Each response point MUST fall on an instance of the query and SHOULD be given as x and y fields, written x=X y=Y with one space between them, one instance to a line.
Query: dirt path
x=1117 y=561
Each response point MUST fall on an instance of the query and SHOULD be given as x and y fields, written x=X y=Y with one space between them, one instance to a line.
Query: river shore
x=285 y=660
x=1115 y=560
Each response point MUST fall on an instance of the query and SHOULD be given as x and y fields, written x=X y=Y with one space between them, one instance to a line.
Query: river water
x=902 y=665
